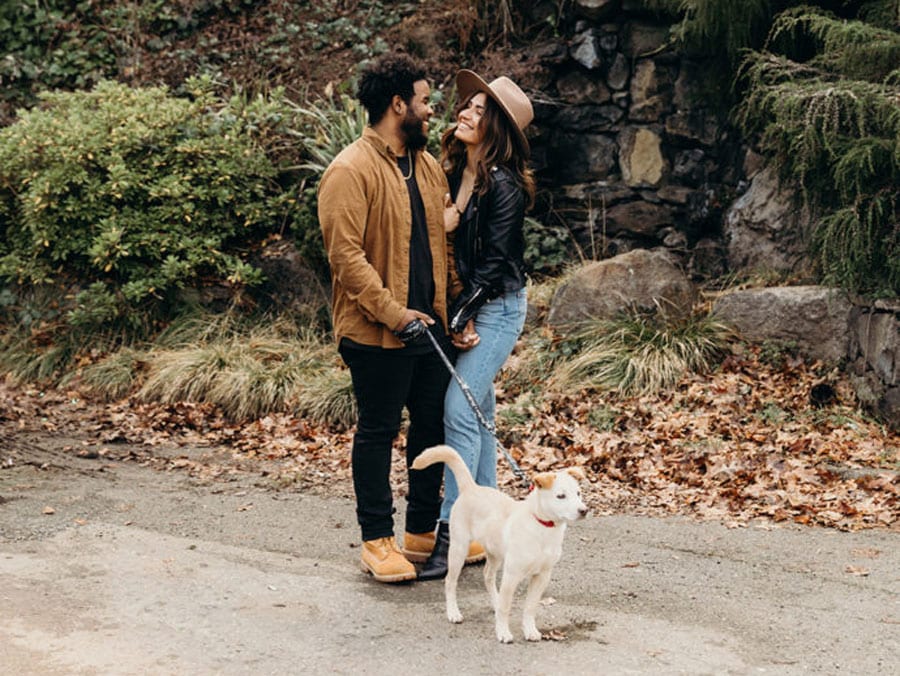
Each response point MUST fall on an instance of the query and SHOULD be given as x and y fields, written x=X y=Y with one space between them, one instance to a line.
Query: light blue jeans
x=499 y=324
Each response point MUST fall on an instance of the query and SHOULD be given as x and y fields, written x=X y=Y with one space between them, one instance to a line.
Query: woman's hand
x=466 y=340
x=451 y=214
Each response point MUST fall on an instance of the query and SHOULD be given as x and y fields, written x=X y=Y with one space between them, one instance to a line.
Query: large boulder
x=764 y=228
x=641 y=279
x=815 y=318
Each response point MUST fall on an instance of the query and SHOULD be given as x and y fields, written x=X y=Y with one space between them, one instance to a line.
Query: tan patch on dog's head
x=544 y=479
x=575 y=472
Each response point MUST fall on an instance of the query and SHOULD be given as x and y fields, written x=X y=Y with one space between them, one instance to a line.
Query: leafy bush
x=46 y=45
x=547 y=247
x=135 y=194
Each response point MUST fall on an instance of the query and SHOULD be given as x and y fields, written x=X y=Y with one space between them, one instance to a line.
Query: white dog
x=524 y=536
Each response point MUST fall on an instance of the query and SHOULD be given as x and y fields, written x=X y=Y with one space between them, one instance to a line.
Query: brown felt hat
x=502 y=91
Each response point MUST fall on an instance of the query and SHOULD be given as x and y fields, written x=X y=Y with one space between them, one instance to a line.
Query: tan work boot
x=417 y=547
x=383 y=560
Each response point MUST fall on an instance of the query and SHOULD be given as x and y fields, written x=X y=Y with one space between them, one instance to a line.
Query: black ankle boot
x=435 y=567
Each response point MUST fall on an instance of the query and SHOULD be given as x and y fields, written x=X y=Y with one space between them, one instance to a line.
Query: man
x=381 y=210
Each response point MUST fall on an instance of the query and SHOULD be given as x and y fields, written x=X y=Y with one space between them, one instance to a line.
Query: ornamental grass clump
x=639 y=354
x=246 y=373
x=327 y=398
x=115 y=376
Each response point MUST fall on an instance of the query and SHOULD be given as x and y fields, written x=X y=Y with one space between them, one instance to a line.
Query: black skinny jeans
x=384 y=381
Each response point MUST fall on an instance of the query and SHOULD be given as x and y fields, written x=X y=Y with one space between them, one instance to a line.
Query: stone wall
x=630 y=141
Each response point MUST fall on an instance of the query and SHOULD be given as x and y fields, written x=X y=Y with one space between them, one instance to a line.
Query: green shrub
x=548 y=248
x=73 y=44
x=135 y=193
x=822 y=98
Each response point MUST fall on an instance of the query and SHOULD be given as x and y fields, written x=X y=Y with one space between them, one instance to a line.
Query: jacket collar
x=377 y=141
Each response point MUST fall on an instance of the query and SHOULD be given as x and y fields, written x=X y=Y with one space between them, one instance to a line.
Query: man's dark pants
x=384 y=381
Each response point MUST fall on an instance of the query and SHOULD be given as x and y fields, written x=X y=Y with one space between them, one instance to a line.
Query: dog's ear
x=543 y=480
x=576 y=472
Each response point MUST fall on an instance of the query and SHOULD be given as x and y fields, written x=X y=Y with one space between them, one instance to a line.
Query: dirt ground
x=114 y=567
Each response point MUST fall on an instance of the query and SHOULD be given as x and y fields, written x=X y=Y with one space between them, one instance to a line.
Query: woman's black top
x=489 y=245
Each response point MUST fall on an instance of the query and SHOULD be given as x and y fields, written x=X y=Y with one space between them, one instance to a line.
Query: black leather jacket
x=489 y=245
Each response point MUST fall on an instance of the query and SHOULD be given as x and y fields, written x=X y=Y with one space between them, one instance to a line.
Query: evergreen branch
x=852 y=48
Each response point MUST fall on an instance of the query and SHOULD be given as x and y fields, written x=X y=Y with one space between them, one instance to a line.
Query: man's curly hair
x=387 y=76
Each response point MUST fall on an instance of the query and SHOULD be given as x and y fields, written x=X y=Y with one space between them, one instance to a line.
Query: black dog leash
x=415 y=329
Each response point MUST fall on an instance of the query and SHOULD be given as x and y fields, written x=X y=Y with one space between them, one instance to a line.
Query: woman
x=485 y=156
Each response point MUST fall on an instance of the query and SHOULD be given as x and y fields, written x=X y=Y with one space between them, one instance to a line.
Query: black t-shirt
x=421 y=280
x=421 y=272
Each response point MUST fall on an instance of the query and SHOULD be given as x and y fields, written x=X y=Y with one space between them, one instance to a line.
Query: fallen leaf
x=857 y=570
x=866 y=553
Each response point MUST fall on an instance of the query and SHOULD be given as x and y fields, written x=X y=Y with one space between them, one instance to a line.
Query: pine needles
x=831 y=122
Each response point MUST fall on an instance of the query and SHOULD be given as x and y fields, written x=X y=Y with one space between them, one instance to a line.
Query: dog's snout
x=583 y=512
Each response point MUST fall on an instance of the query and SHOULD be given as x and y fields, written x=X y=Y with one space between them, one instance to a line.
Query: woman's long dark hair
x=501 y=147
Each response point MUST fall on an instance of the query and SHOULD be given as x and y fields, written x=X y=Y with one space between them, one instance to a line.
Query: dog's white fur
x=514 y=534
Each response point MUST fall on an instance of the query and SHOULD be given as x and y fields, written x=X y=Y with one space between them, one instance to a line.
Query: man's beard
x=413 y=128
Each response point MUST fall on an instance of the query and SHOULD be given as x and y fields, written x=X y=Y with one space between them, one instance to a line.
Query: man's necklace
x=411 y=167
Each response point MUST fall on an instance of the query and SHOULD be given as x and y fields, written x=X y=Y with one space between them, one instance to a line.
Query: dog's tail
x=452 y=459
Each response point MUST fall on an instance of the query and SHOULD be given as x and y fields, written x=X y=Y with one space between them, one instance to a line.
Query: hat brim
x=469 y=83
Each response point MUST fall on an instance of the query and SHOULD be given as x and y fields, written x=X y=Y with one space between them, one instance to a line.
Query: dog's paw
x=504 y=635
x=454 y=616
x=533 y=635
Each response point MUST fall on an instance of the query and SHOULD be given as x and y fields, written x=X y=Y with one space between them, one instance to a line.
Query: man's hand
x=411 y=315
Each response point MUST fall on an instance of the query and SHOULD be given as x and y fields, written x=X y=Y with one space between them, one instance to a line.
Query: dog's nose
x=582 y=512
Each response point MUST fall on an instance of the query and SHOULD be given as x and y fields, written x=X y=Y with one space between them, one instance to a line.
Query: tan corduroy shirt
x=366 y=222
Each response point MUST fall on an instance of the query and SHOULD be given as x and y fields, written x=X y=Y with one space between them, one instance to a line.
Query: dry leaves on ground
x=739 y=445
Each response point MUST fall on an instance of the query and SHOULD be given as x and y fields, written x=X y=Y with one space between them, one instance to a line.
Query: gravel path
x=115 y=568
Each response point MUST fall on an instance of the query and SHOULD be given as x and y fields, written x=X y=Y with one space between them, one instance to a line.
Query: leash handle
x=479 y=414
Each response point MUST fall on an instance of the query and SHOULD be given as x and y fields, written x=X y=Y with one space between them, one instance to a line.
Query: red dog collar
x=548 y=524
